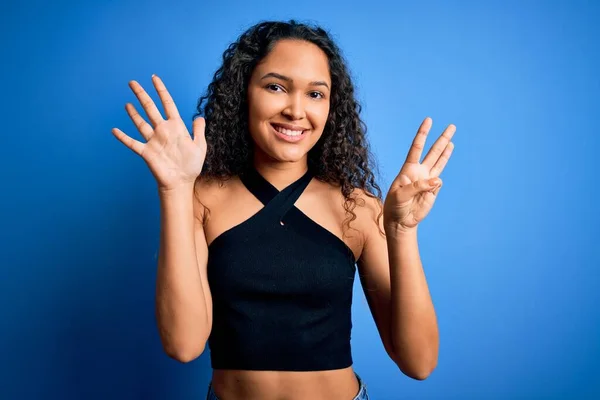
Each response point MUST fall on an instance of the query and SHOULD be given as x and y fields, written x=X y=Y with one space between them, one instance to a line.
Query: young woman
x=267 y=211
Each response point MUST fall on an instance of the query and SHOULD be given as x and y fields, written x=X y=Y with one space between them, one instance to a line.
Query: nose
x=295 y=108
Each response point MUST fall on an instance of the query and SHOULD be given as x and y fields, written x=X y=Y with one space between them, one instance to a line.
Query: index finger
x=418 y=144
x=166 y=99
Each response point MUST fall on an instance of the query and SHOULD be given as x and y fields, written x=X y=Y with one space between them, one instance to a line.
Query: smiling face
x=288 y=97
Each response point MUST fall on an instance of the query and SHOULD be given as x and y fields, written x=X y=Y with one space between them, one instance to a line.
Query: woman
x=266 y=212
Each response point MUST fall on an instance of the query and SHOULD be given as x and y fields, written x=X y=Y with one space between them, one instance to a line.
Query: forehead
x=297 y=59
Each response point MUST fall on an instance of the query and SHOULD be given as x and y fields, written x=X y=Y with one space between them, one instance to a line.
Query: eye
x=273 y=87
x=319 y=95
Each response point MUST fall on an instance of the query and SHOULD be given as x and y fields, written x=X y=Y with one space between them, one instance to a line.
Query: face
x=288 y=97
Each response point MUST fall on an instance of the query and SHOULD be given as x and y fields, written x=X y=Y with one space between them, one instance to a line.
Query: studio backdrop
x=509 y=250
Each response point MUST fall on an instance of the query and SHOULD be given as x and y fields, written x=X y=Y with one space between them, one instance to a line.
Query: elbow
x=419 y=374
x=184 y=354
x=183 y=358
x=183 y=347
x=417 y=368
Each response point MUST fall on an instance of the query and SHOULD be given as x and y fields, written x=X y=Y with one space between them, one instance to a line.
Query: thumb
x=424 y=185
x=198 y=127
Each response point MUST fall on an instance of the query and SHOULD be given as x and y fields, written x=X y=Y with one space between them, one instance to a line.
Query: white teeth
x=287 y=131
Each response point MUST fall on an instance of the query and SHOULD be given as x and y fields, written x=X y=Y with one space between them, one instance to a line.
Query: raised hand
x=413 y=192
x=173 y=156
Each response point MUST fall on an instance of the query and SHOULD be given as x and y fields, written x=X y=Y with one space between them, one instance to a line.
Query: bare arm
x=396 y=290
x=183 y=301
x=413 y=322
x=183 y=306
x=402 y=304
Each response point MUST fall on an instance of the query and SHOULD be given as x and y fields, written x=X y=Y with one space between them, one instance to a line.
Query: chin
x=282 y=152
x=285 y=155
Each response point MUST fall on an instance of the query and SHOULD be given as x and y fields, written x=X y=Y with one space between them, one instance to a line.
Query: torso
x=230 y=203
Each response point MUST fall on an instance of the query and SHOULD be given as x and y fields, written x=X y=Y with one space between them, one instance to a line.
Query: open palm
x=413 y=192
x=173 y=156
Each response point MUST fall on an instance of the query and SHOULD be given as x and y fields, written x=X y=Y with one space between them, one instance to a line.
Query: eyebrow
x=288 y=79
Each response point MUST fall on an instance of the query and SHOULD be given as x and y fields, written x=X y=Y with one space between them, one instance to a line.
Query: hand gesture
x=174 y=158
x=413 y=192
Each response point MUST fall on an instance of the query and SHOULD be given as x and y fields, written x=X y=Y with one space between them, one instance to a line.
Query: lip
x=290 y=127
x=289 y=139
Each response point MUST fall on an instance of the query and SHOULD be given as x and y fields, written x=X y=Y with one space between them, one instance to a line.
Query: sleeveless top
x=281 y=287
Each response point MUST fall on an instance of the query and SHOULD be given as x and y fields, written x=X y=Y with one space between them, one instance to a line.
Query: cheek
x=261 y=108
x=319 y=114
x=263 y=105
x=254 y=109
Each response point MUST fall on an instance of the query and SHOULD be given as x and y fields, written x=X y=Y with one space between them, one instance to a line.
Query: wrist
x=175 y=191
x=400 y=232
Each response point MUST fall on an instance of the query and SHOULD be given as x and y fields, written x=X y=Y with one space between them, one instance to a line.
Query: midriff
x=339 y=384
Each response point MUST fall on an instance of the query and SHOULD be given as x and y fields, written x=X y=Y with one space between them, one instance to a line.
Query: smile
x=288 y=135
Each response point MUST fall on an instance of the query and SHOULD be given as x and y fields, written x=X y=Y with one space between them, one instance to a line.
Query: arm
x=183 y=300
x=396 y=290
x=401 y=302
x=414 y=324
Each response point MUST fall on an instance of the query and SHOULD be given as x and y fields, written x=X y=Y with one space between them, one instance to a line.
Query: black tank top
x=281 y=286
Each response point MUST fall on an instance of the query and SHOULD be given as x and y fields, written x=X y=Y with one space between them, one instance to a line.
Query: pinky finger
x=136 y=146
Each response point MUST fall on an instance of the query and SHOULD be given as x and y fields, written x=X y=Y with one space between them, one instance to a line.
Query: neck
x=280 y=174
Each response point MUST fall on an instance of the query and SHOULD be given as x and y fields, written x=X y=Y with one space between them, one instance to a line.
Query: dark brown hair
x=340 y=157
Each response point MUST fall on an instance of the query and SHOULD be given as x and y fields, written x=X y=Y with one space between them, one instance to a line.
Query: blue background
x=509 y=249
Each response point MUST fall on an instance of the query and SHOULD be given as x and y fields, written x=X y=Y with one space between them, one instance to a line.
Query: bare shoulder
x=353 y=219
x=209 y=193
x=368 y=210
x=366 y=206
x=369 y=220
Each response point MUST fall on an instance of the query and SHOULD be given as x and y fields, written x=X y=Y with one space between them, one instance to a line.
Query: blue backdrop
x=509 y=248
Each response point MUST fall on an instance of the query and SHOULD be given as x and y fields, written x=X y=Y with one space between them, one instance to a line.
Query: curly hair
x=340 y=157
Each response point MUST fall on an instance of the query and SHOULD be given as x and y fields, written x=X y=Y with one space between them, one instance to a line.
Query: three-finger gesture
x=413 y=192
